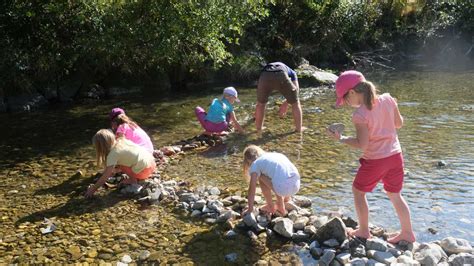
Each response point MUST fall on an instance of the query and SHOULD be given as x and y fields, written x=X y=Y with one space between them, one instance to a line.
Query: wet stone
x=143 y=255
x=376 y=244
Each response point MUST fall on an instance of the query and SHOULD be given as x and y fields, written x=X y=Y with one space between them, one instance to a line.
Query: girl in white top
x=275 y=173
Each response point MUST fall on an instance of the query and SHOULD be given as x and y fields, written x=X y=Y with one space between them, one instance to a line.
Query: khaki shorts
x=280 y=81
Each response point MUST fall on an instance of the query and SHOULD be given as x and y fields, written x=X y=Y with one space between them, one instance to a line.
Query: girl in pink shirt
x=123 y=126
x=376 y=120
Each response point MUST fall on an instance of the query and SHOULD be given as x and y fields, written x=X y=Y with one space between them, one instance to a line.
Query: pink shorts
x=388 y=170
x=144 y=174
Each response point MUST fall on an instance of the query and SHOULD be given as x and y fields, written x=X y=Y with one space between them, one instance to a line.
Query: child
x=376 y=119
x=275 y=173
x=122 y=125
x=221 y=113
x=130 y=158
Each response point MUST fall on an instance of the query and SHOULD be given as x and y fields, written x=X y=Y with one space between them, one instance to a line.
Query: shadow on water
x=240 y=249
x=77 y=204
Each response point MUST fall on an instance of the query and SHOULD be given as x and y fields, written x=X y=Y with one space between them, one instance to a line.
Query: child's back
x=128 y=154
x=383 y=140
x=137 y=135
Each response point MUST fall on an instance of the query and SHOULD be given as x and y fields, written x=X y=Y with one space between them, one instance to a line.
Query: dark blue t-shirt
x=279 y=66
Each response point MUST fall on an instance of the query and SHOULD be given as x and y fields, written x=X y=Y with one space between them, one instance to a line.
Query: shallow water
x=41 y=152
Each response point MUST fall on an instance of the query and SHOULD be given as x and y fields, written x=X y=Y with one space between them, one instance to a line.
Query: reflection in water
x=40 y=152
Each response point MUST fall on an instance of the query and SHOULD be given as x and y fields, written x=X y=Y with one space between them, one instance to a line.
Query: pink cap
x=232 y=92
x=115 y=112
x=345 y=82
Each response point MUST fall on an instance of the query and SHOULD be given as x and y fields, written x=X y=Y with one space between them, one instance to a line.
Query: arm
x=236 y=123
x=251 y=192
x=398 y=118
x=361 y=141
x=109 y=170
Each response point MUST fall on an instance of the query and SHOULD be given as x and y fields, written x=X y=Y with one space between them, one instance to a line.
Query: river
x=42 y=151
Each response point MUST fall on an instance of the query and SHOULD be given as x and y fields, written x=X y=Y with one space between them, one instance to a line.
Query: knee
x=357 y=192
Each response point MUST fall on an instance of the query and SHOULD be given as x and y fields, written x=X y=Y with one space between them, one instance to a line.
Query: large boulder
x=311 y=76
x=453 y=245
x=430 y=254
x=335 y=228
x=26 y=102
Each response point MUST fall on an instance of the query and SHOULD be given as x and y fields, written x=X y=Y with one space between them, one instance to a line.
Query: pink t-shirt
x=136 y=135
x=383 y=139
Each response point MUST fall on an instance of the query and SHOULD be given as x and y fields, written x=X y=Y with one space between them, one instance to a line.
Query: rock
x=377 y=231
x=349 y=222
x=372 y=262
x=231 y=257
x=461 y=259
x=299 y=236
x=380 y=256
x=291 y=206
x=327 y=257
x=453 y=245
x=311 y=76
x=75 y=252
x=196 y=213
x=331 y=243
x=300 y=223
x=335 y=228
x=314 y=244
x=132 y=189
x=214 y=191
x=126 y=259
x=429 y=254
x=199 y=204
x=92 y=253
x=358 y=262
x=215 y=205
x=316 y=252
x=405 y=260
x=395 y=252
x=310 y=230
x=170 y=183
x=302 y=201
x=249 y=220
x=261 y=263
x=318 y=221
x=343 y=258
x=441 y=163
x=358 y=251
x=283 y=226
x=144 y=254
x=252 y=235
x=336 y=127
x=226 y=215
x=376 y=244
x=230 y=234
x=293 y=215
x=189 y=197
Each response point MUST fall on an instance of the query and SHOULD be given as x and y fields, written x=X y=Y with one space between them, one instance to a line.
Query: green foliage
x=45 y=43
x=48 y=41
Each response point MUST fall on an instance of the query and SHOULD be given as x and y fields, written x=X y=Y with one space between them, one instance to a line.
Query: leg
x=283 y=109
x=280 y=205
x=267 y=187
x=403 y=212
x=201 y=115
x=259 y=115
x=297 y=116
x=362 y=209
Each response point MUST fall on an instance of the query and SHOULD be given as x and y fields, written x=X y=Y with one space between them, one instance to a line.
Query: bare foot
x=268 y=209
x=407 y=236
x=358 y=233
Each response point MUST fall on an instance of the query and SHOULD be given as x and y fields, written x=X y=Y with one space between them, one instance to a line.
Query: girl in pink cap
x=376 y=119
x=124 y=126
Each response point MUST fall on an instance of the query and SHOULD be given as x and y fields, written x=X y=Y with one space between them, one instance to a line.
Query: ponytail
x=124 y=119
x=370 y=93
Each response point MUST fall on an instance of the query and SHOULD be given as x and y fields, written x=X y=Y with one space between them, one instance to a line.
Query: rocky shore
x=321 y=237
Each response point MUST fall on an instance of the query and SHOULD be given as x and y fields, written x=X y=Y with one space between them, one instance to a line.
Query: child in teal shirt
x=221 y=114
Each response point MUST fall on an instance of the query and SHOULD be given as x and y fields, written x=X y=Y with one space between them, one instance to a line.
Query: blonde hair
x=370 y=93
x=124 y=119
x=103 y=141
x=251 y=153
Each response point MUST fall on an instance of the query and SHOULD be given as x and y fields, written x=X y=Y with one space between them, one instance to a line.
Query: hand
x=90 y=191
x=335 y=135
x=246 y=211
